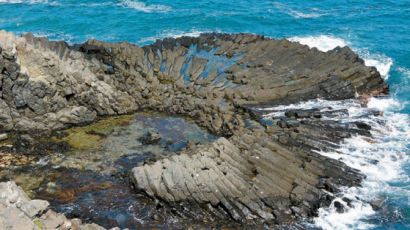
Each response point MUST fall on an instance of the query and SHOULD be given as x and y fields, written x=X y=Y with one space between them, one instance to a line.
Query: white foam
x=314 y=12
x=173 y=34
x=328 y=42
x=380 y=61
x=382 y=160
x=297 y=14
x=332 y=220
x=383 y=66
x=387 y=104
x=405 y=71
x=323 y=105
x=322 y=42
x=143 y=7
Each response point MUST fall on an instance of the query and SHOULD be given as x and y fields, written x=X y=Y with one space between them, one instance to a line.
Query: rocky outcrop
x=257 y=171
x=49 y=85
x=213 y=77
x=273 y=176
x=18 y=212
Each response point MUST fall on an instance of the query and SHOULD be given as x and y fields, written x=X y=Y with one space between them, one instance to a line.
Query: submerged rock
x=270 y=174
x=151 y=137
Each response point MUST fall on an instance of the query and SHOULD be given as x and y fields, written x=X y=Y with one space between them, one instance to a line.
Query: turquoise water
x=378 y=30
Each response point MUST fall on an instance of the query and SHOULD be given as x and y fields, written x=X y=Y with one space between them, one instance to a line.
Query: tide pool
x=377 y=30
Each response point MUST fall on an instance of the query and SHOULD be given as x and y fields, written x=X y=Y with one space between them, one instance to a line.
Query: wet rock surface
x=151 y=137
x=18 y=211
x=246 y=178
x=89 y=179
x=263 y=169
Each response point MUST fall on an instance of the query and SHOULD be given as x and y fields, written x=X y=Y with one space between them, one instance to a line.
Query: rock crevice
x=256 y=171
x=18 y=211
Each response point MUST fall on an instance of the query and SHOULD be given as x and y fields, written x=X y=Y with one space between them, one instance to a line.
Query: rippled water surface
x=90 y=180
x=377 y=30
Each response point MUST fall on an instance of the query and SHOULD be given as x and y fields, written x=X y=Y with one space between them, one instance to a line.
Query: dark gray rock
x=151 y=137
x=269 y=174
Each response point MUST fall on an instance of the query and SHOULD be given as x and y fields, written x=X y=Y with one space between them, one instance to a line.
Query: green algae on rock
x=93 y=176
x=90 y=137
x=269 y=173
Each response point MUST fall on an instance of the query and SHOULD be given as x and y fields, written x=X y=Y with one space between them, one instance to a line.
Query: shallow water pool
x=90 y=181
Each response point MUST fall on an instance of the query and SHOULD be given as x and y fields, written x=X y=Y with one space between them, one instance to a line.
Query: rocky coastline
x=259 y=171
x=18 y=211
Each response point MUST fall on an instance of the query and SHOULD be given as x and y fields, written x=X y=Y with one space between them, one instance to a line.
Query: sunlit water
x=90 y=180
x=377 y=30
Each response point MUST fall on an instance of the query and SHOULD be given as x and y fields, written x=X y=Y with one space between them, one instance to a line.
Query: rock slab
x=19 y=212
x=266 y=172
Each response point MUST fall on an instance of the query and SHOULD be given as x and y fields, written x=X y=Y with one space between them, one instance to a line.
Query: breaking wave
x=382 y=158
x=322 y=42
x=327 y=42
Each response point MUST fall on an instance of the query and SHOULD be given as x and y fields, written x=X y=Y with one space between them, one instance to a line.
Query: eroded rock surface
x=263 y=172
x=247 y=177
x=19 y=212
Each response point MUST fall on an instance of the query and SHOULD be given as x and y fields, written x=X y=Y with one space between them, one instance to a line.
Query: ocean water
x=379 y=31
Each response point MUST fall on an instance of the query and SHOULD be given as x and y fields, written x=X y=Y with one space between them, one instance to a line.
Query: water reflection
x=90 y=181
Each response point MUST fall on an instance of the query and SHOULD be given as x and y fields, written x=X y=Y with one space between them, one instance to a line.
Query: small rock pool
x=90 y=179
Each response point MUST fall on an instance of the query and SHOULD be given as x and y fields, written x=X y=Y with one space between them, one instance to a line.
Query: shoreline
x=174 y=76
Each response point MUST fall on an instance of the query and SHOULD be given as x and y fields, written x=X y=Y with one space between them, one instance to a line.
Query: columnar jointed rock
x=268 y=173
x=47 y=86
x=247 y=177
x=212 y=77
x=18 y=212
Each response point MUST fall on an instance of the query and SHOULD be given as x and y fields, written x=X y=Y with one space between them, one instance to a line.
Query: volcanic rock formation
x=17 y=212
x=256 y=171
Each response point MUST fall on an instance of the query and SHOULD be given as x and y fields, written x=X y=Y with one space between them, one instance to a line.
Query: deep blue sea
x=379 y=31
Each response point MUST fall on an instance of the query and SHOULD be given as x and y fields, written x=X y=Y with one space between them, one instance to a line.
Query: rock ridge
x=257 y=171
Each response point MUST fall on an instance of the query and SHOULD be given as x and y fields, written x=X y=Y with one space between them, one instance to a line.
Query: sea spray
x=382 y=158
